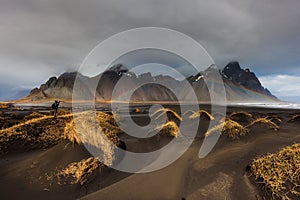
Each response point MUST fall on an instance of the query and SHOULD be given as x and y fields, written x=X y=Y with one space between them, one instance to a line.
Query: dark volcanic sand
x=220 y=175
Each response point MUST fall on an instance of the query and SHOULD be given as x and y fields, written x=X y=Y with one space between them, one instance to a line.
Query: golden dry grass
x=274 y=118
x=62 y=112
x=34 y=115
x=33 y=121
x=136 y=110
x=100 y=132
x=265 y=121
x=294 y=118
x=171 y=114
x=8 y=120
x=279 y=172
x=169 y=128
x=78 y=172
x=106 y=122
x=229 y=128
x=243 y=118
x=242 y=113
x=42 y=132
x=234 y=129
x=46 y=131
x=198 y=114
x=71 y=134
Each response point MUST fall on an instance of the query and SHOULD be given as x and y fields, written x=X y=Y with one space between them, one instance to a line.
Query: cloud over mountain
x=53 y=36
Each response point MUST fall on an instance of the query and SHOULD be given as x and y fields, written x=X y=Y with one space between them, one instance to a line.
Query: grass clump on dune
x=71 y=134
x=234 y=129
x=169 y=128
x=39 y=121
x=242 y=113
x=274 y=118
x=97 y=131
x=34 y=115
x=78 y=172
x=34 y=133
x=230 y=128
x=63 y=112
x=294 y=118
x=198 y=114
x=171 y=114
x=46 y=131
x=265 y=121
x=105 y=121
x=9 y=120
x=241 y=117
x=279 y=172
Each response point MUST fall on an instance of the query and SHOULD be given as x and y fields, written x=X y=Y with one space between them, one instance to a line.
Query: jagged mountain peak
x=244 y=77
x=235 y=79
x=233 y=66
x=118 y=68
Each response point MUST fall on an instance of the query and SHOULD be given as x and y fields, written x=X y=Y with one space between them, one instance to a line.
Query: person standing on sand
x=55 y=107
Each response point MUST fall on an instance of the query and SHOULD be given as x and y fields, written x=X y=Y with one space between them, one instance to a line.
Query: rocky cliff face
x=233 y=72
x=60 y=88
x=240 y=85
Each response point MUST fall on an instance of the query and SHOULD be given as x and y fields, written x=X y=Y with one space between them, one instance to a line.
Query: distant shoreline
x=69 y=104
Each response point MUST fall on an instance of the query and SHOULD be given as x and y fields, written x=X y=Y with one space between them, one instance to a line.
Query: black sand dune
x=220 y=175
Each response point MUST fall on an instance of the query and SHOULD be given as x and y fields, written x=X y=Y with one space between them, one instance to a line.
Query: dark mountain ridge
x=240 y=85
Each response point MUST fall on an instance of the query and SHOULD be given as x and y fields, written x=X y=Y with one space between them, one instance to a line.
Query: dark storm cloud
x=39 y=39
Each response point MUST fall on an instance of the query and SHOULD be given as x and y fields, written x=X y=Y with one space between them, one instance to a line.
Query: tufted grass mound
x=294 y=118
x=279 y=172
x=171 y=114
x=169 y=128
x=229 y=128
x=198 y=114
x=78 y=172
x=264 y=121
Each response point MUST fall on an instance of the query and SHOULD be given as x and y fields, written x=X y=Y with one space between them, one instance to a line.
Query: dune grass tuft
x=199 y=113
x=243 y=118
x=274 y=118
x=169 y=128
x=279 y=172
x=34 y=133
x=230 y=128
x=62 y=112
x=100 y=133
x=71 y=134
x=171 y=114
x=136 y=110
x=266 y=121
x=39 y=120
x=240 y=114
x=46 y=131
x=9 y=120
x=105 y=121
x=34 y=115
x=294 y=118
x=78 y=172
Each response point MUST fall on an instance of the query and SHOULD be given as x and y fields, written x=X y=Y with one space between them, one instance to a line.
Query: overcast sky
x=43 y=38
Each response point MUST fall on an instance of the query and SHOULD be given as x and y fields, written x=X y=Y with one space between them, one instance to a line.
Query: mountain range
x=241 y=85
